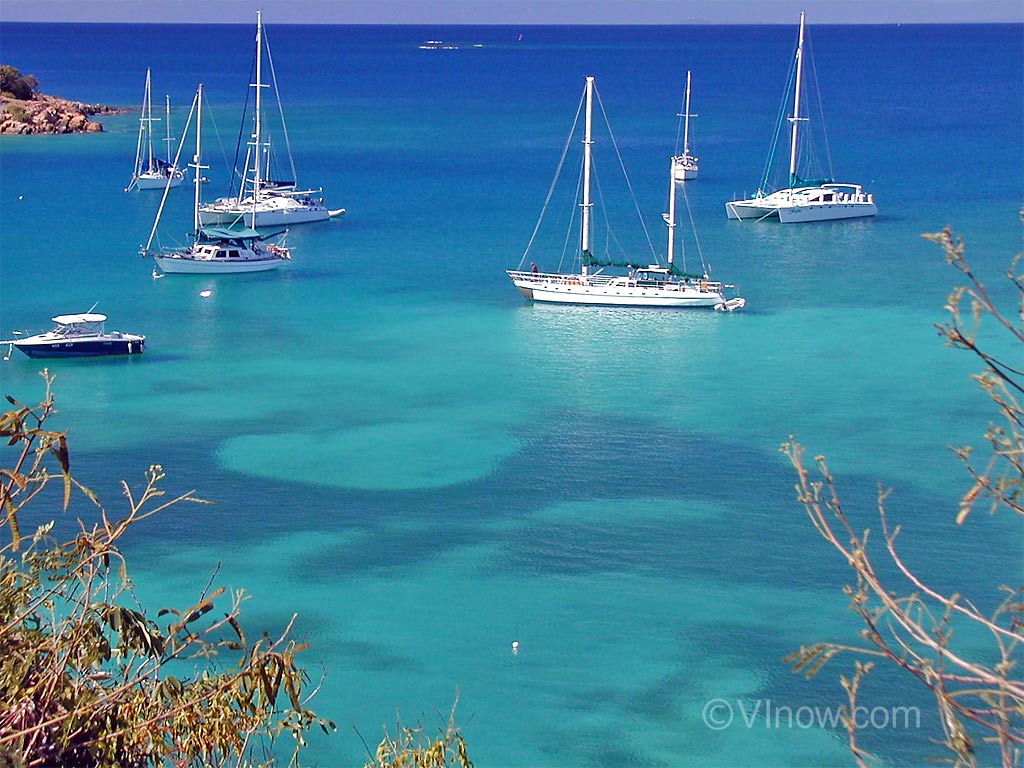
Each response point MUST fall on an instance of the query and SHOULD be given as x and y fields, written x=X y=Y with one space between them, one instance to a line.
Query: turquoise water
x=424 y=467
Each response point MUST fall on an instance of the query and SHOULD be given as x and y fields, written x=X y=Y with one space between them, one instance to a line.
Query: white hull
x=191 y=266
x=157 y=180
x=270 y=212
x=796 y=214
x=829 y=202
x=684 y=168
x=619 y=291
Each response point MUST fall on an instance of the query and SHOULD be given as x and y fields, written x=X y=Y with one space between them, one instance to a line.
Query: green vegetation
x=87 y=678
x=14 y=85
x=978 y=700
x=17 y=112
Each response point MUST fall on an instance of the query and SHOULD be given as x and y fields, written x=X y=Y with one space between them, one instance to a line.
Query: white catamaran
x=803 y=199
x=150 y=170
x=262 y=201
x=213 y=250
x=685 y=165
x=643 y=284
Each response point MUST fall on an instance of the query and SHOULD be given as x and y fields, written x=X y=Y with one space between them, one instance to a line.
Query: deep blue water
x=424 y=467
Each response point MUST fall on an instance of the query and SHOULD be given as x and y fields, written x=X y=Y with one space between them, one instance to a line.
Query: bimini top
x=230 y=233
x=85 y=317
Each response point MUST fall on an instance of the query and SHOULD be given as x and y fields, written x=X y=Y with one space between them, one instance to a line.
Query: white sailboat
x=643 y=284
x=213 y=250
x=685 y=165
x=260 y=201
x=150 y=170
x=802 y=200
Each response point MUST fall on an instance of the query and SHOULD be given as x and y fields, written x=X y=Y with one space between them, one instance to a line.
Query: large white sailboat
x=261 y=201
x=152 y=171
x=685 y=165
x=803 y=200
x=214 y=249
x=644 y=284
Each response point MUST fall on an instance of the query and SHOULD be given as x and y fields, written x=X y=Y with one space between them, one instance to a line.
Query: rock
x=49 y=114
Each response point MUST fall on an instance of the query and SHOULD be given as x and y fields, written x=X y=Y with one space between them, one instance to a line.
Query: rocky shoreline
x=50 y=115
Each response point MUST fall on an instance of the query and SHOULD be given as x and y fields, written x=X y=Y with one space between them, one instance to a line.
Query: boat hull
x=99 y=347
x=830 y=202
x=569 y=289
x=749 y=209
x=272 y=211
x=797 y=214
x=158 y=181
x=190 y=266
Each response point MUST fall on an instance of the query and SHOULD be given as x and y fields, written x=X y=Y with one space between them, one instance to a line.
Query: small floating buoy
x=205 y=294
x=21 y=197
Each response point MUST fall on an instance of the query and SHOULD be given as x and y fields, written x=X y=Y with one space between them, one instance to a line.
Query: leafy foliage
x=87 y=678
x=413 y=748
x=977 y=701
x=16 y=85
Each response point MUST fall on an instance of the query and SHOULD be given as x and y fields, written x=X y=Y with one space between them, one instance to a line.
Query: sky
x=516 y=11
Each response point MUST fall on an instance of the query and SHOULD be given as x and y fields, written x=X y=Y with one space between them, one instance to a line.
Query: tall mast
x=795 y=120
x=168 y=139
x=258 y=135
x=686 y=124
x=149 y=121
x=199 y=153
x=587 y=143
x=670 y=219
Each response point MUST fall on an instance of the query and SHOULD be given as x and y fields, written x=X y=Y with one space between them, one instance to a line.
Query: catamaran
x=214 y=249
x=644 y=284
x=803 y=199
x=685 y=165
x=150 y=170
x=262 y=201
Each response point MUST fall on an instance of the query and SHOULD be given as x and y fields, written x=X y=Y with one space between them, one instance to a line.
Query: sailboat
x=803 y=199
x=643 y=285
x=685 y=165
x=214 y=250
x=262 y=201
x=150 y=170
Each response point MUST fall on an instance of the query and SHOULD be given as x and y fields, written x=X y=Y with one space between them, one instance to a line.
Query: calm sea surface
x=424 y=467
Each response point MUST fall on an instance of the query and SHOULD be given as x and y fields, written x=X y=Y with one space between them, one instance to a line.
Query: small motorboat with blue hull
x=81 y=335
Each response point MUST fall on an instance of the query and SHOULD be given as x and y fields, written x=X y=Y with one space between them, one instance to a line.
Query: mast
x=795 y=120
x=258 y=133
x=199 y=153
x=686 y=124
x=167 y=187
x=670 y=218
x=149 y=121
x=138 y=145
x=167 y=96
x=587 y=143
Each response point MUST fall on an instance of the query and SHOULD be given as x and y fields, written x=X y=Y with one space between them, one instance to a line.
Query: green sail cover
x=796 y=181
x=230 y=233
x=590 y=260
